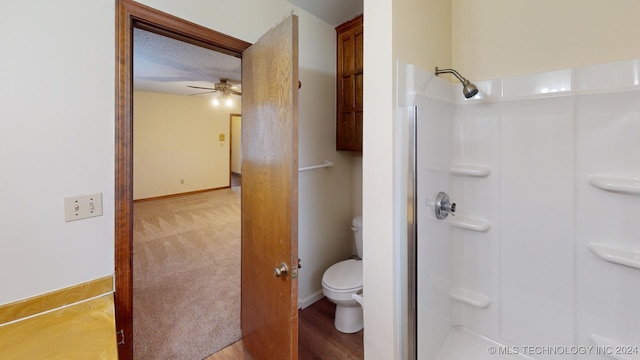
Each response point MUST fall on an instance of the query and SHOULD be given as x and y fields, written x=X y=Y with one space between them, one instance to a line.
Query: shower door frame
x=407 y=229
x=412 y=234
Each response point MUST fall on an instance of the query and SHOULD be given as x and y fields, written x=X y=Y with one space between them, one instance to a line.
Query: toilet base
x=349 y=319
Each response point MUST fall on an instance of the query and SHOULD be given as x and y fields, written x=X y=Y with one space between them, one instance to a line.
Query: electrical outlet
x=82 y=206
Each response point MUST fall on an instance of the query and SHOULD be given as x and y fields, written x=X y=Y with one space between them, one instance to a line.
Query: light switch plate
x=82 y=206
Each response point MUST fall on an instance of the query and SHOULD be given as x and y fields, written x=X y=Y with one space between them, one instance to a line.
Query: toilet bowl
x=339 y=284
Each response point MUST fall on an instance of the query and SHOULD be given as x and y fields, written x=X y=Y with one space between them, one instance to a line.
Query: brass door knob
x=278 y=271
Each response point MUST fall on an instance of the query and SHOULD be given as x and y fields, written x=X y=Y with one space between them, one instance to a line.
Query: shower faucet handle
x=444 y=206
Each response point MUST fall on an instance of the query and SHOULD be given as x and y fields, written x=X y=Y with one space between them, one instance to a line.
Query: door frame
x=231 y=116
x=130 y=15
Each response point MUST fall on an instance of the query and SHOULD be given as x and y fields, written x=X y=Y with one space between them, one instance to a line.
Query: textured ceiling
x=165 y=65
x=335 y=12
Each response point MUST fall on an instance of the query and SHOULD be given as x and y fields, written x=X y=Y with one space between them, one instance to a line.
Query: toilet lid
x=345 y=275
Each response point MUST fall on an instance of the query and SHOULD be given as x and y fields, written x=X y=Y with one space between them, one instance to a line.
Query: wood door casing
x=269 y=308
x=130 y=14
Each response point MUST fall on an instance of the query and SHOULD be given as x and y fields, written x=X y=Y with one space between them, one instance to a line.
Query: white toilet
x=341 y=281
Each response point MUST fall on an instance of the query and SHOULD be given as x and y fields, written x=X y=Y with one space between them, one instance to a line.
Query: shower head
x=468 y=89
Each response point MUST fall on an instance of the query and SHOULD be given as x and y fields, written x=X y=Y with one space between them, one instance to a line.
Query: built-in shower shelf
x=470 y=297
x=473 y=224
x=628 y=185
x=613 y=349
x=470 y=170
x=617 y=255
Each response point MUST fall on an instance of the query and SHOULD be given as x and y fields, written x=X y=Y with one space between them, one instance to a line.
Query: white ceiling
x=165 y=65
x=335 y=12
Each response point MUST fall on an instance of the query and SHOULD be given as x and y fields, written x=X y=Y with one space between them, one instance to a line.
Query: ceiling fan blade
x=234 y=92
x=199 y=87
x=200 y=93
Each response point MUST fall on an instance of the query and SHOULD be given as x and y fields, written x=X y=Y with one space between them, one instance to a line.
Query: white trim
x=310 y=300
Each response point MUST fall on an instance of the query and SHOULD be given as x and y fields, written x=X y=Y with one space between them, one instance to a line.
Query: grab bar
x=326 y=163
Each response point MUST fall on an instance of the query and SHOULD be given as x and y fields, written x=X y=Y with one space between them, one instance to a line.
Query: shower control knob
x=444 y=206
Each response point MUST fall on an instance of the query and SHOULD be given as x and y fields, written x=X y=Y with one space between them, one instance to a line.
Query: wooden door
x=269 y=306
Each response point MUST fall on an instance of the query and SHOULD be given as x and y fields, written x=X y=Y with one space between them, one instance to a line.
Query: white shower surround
x=545 y=246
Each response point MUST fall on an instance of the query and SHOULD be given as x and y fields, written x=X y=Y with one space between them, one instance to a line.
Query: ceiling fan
x=225 y=87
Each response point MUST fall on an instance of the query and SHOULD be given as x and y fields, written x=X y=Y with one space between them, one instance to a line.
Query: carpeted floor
x=186 y=263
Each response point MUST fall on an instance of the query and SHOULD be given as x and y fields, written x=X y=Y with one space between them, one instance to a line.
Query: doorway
x=186 y=237
x=277 y=49
x=235 y=147
x=132 y=15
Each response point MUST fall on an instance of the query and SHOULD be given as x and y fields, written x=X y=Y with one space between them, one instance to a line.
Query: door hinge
x=120 y=337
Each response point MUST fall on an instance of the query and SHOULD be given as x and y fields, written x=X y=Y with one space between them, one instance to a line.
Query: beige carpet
x=186 y=263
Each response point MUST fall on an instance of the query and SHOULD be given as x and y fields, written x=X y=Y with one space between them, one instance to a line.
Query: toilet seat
x=343 y=277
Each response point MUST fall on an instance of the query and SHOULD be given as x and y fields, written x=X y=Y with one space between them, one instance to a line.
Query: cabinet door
x=349 y=77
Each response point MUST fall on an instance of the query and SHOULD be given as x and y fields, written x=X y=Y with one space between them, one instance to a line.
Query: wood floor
x=318 y=339
x=232 y=352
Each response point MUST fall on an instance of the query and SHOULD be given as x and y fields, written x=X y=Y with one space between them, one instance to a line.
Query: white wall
x=377 y=164
x=356 y=184
x=422 y=32
x=58 y=137
x=495 y=38
x=176 y=147
x=57 y=140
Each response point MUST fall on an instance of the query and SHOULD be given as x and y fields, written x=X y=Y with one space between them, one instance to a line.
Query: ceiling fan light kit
x=225 y=90
x=223 y=86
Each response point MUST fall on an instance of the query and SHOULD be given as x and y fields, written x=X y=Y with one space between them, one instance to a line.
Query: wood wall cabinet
x=349 y=77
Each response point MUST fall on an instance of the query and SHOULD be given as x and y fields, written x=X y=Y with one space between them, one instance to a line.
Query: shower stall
x=541 y=258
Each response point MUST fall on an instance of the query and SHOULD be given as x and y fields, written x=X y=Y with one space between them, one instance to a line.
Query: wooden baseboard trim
x=180 y=194
x=53 y=300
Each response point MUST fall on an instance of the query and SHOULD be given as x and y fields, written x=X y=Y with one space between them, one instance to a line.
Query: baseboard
x=310 y=300
x=180 y=194
x=56 y=299
x=82 y=330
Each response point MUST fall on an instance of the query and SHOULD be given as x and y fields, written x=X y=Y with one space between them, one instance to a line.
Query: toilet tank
x=357 y=232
